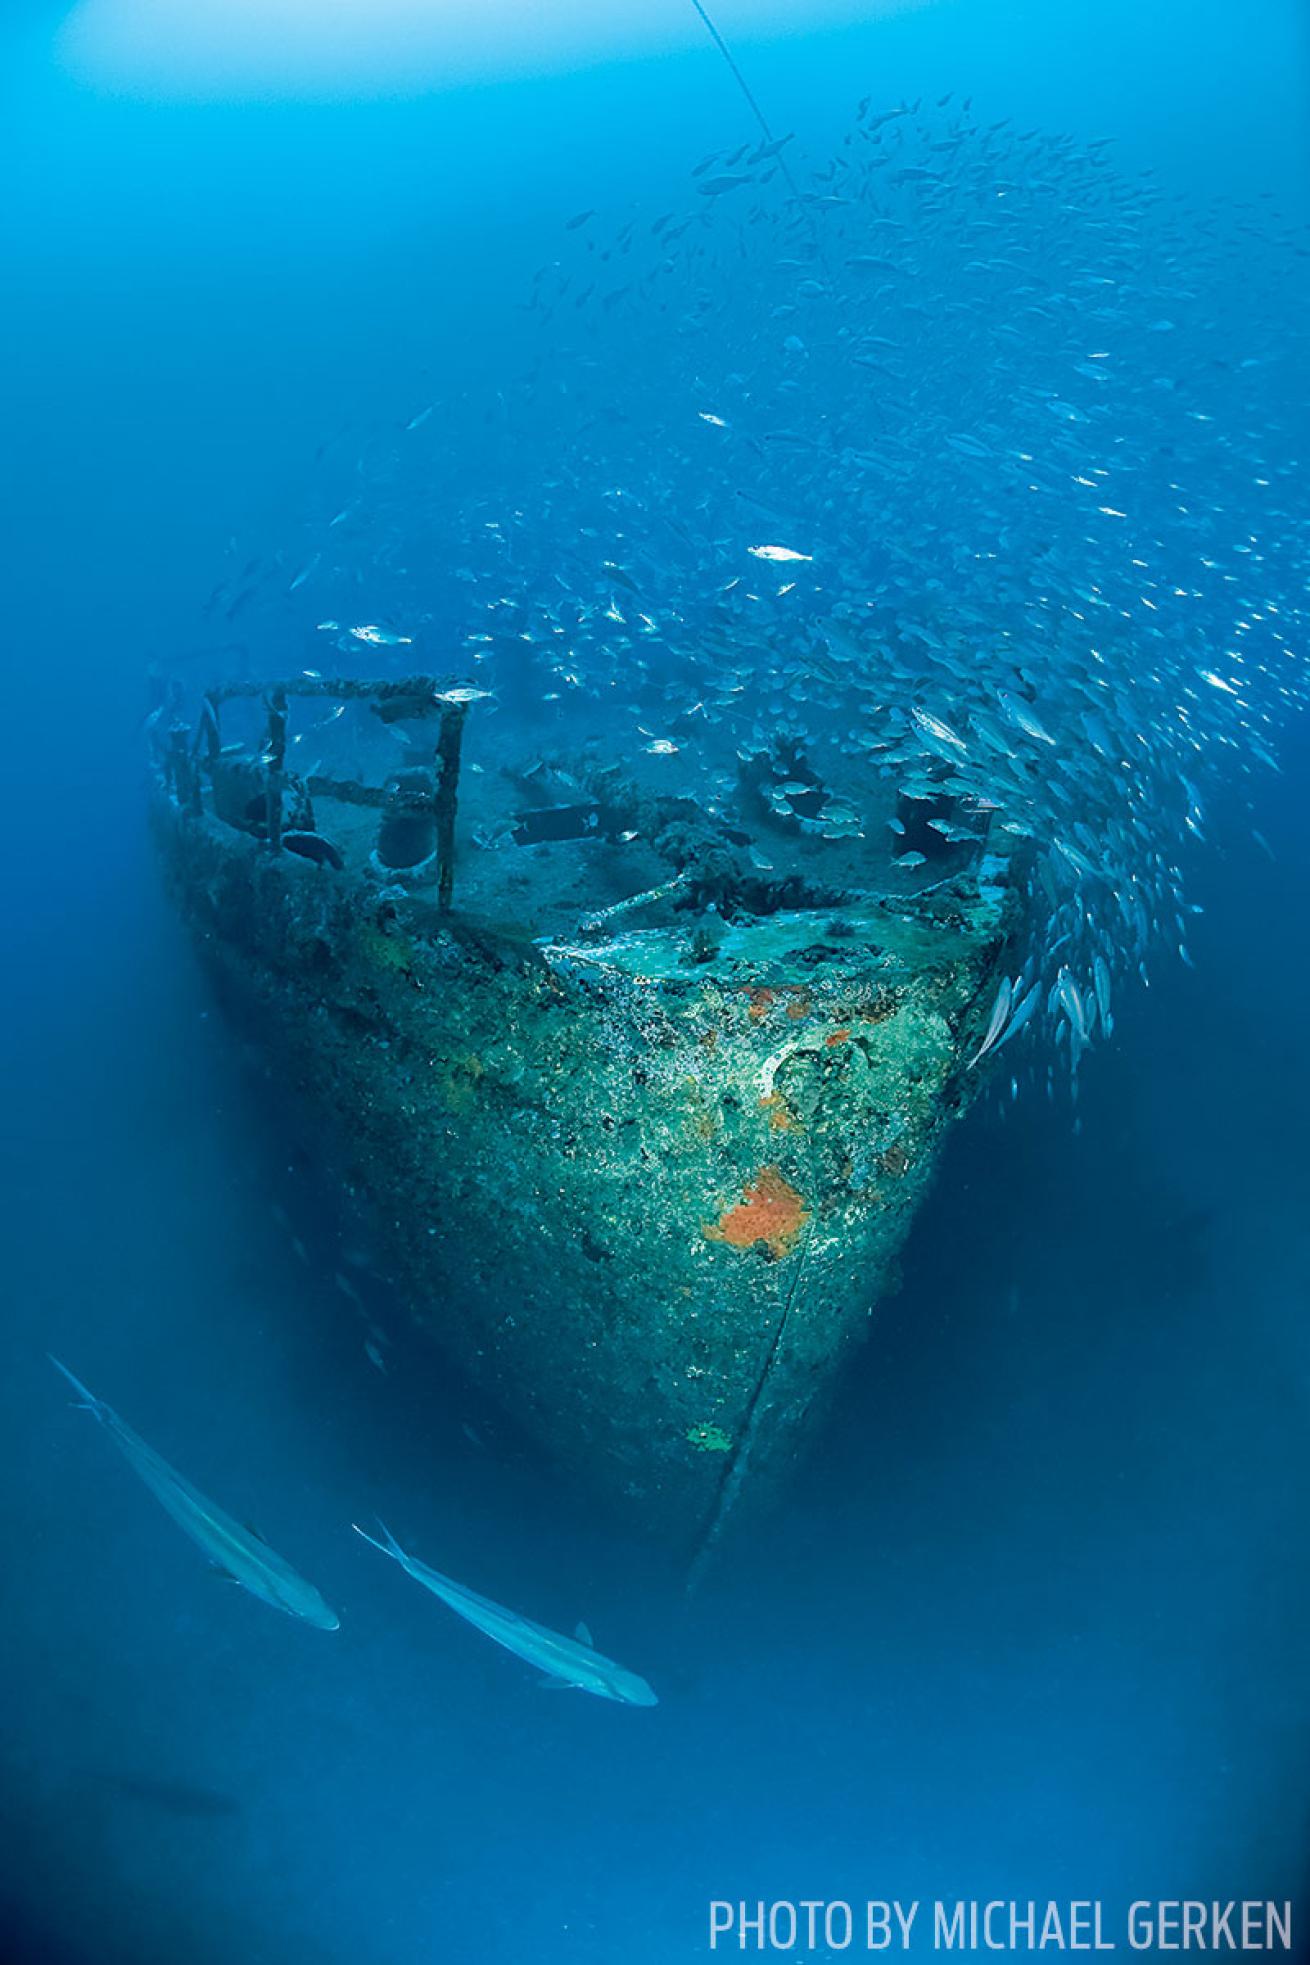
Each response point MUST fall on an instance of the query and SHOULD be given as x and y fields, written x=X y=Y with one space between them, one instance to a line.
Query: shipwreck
x=636 y=1070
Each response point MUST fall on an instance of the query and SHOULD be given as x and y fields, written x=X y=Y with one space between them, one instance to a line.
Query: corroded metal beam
x=448 y=749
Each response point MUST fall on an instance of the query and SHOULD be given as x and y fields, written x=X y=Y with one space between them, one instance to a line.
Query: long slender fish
x=1000 y=1011
x=573 y=1661
x=237 y=1551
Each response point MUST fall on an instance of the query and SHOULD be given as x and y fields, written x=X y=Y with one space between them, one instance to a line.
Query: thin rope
x=742 y=83
x=731 y=1484
x=745 y=88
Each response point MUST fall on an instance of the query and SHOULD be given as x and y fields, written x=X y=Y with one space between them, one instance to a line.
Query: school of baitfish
x=962 y=444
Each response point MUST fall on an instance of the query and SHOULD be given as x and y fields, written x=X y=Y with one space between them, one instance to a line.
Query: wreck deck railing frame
x=184 y=751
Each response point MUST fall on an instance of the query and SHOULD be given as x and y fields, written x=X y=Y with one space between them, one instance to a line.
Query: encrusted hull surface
x=649 y=1205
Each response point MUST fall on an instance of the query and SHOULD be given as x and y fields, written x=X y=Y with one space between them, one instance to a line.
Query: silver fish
x=1019 y=1015
x=937 y=732
x=570 y=1661
x=462 y=692
x=241 y=1554
x=1018 y=713
x=996 y=1022
x=377 y=637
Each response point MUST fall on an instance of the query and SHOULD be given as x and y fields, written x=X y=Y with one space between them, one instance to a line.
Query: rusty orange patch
x=799 y=1005
x=772 y=1212
x=836 y=1037
x=760 y=1002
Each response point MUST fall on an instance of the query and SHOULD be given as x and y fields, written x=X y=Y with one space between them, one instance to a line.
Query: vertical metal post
x=275 y=751
x=275 y=743
x=450 y=738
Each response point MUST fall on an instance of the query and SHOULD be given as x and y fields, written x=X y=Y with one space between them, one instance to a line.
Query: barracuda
x=567 y=1661
x=241 y=1554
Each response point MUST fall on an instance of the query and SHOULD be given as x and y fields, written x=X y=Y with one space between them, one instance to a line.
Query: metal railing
x=429 y=799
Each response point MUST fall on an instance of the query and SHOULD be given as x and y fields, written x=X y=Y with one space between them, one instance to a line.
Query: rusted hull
x=650 y=1214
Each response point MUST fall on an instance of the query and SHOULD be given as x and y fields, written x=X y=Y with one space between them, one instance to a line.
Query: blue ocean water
x=1033 y=1624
